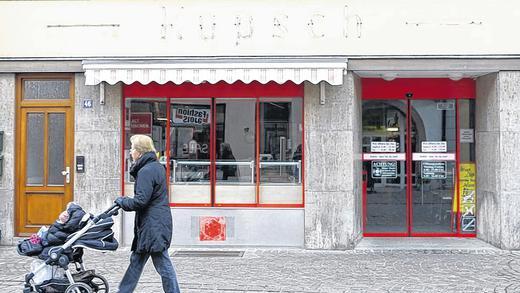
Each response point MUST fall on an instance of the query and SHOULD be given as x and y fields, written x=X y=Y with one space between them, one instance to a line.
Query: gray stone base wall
x=333 y=166
x=98 y=138
x=7 y=180
x=498 y=140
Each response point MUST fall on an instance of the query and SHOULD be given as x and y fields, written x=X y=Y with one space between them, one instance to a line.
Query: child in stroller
x=62 y=244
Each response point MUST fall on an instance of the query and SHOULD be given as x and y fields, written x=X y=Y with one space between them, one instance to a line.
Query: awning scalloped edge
x=213 y=72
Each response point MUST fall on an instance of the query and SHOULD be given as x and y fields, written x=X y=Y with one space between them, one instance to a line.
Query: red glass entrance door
x=433 y=149
x=385 y=167
x=409 y=154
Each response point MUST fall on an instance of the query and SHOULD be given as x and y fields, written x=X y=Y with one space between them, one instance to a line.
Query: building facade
x=293 y=124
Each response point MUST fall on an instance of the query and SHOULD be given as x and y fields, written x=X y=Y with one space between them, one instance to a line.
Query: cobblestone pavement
x=294 y=270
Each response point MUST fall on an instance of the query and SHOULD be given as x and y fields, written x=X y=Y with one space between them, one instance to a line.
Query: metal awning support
x=322 y=93
x=102 y=93
x=213 y=70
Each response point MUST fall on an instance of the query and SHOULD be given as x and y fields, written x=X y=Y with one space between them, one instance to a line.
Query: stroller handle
x=113 y=209
x=108 y=213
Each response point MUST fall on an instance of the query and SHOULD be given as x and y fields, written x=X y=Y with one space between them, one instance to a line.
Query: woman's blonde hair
x=142 y=143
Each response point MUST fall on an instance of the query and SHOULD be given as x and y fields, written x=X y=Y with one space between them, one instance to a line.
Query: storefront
x=295 y=125
x=419 y=157
x=233 y=151
x=223 y=145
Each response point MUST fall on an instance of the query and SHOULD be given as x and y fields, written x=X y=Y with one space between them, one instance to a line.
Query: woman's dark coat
x=153 y=218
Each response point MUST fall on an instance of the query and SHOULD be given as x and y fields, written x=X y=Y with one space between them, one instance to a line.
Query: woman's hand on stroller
x=119 y=201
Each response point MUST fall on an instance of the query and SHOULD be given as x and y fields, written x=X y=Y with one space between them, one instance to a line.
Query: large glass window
x=280 y=151
x=235 y=151
x=190 y=151
x=144 y=116
x=223 y=151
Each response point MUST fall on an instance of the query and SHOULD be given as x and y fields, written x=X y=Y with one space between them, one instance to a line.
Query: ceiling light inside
x=389 y=76
x=455 y=76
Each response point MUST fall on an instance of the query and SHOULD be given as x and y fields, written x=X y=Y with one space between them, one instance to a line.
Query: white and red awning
x=213 y=70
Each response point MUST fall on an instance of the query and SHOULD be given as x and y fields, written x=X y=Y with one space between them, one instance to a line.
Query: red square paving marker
x=212 y=229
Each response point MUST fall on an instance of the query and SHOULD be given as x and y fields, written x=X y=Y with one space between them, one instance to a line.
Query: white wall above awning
x=213 y=70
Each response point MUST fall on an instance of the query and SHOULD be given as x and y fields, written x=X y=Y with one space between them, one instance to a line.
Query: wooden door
x=44 y=151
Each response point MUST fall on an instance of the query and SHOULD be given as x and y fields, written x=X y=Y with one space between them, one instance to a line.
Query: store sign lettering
x=246 y=26
x=191 y=116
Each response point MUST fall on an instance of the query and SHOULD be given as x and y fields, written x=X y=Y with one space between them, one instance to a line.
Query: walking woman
x=153 y=219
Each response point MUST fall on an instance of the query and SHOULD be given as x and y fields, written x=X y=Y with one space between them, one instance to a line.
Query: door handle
x=66 y=173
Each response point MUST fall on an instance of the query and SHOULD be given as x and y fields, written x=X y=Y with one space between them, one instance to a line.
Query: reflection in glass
x=146 y=117
x=56 y=148
x=235 y=151
x=467 y=184
x=385 y=122
x=280 y=150
x=433 y=121
x=467 y=130
x=35 y=148
x=433 y=190
x=190 y=150
x=46 y=89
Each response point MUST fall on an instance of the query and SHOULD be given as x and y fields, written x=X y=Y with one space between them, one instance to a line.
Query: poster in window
x=433 y=170
x=468 y=196
x=141 y=123
x=384 y=169
x=191 y=115
x=467 y=136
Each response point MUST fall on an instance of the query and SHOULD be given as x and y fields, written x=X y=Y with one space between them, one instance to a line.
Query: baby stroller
x=96 y=234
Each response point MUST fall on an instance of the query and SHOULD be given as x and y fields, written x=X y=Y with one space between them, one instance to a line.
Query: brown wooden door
x=45 y=154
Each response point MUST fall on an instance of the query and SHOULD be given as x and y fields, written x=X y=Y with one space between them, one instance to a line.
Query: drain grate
x=207 y=253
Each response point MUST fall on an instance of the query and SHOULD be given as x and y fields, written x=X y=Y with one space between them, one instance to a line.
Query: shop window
x=280 y=151
x=144 y=116
x=235 y=151
x=190 y=151
x=223 y=151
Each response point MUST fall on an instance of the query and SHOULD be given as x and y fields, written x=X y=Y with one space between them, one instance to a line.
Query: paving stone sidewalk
x=297 y=270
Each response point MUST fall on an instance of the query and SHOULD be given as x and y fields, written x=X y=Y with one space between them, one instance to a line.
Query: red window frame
x=422 y=89
x=254 y=90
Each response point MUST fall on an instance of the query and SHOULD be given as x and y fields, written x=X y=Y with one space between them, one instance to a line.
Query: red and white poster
x=141 y=123
x=212 y=229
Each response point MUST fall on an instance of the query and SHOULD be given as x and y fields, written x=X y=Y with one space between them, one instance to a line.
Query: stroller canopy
x=98 y=237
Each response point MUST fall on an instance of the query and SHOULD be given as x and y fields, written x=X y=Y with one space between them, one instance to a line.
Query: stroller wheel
x=79 y=288
x=98 y=284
